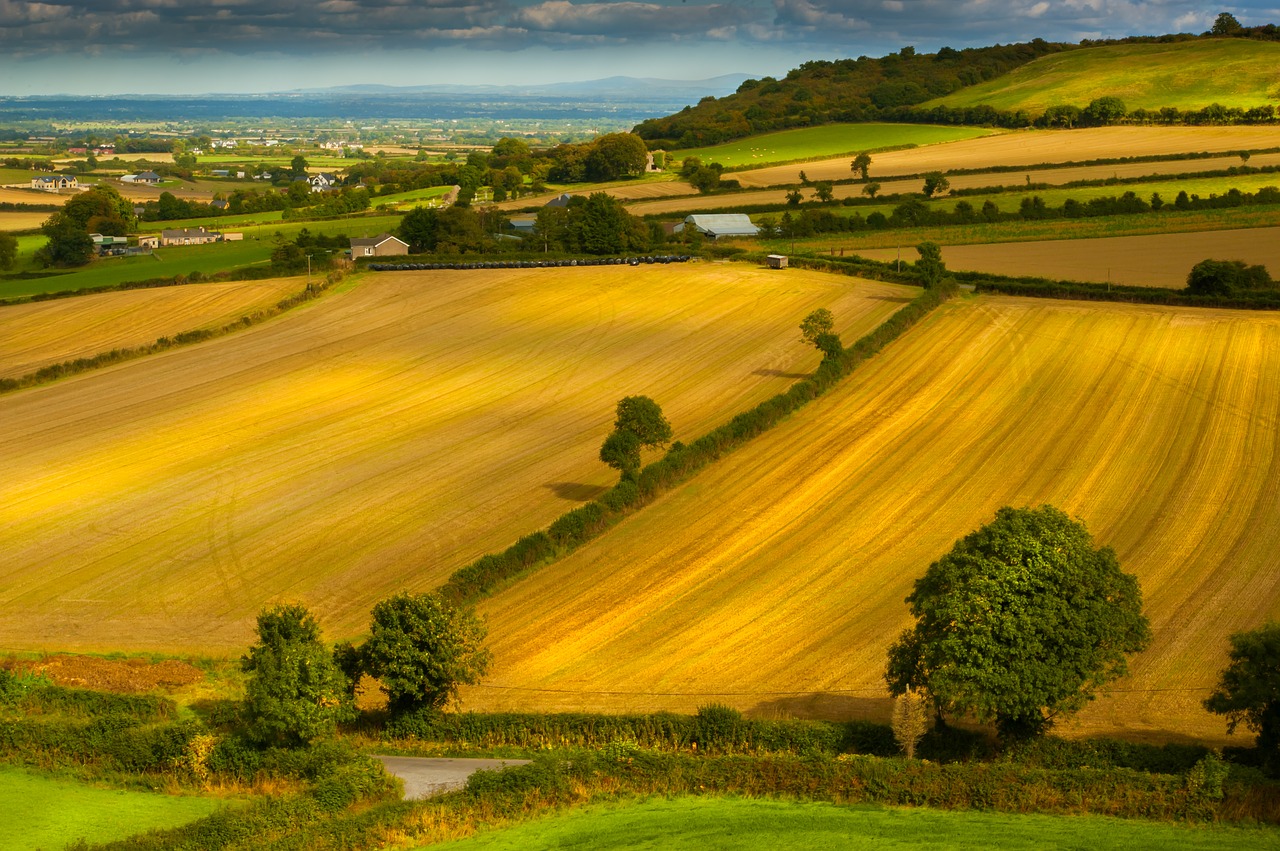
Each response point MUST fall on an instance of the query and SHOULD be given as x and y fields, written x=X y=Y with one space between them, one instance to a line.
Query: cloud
x=809 y=27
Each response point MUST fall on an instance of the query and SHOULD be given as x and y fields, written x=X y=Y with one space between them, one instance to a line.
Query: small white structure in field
x=776 y=261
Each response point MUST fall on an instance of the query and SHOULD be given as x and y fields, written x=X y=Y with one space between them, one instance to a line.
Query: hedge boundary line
x=495 y=571
x=65 y=369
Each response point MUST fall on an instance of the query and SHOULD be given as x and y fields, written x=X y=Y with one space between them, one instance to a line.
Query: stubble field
x=1156 y=260
x=370 y=442
x=1028 y=147
x=37 y=334
x=775 y=580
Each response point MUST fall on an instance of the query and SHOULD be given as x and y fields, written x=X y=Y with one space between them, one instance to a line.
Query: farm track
x=1054 y=176
x=37 y=334
x=1157 y=260
x=1027 y=148
x=371 y=442
x=774 y=581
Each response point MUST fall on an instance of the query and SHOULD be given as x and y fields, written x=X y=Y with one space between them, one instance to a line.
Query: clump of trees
x=100 y=210
x=1248 y=692
x=1019 y=623
x=818 y=330
x=930 y=268
x=639 y=424
x=1228 y=277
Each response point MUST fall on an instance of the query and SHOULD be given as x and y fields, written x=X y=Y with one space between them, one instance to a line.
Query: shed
x=776 y=261
x=382 y=245
x=718 y=225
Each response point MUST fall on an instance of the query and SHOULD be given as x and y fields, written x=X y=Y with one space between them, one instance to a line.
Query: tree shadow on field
x=576 y=491
x=825 y=706
x=779 y=373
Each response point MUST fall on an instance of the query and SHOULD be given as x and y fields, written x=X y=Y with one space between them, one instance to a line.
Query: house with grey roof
x=382 y=245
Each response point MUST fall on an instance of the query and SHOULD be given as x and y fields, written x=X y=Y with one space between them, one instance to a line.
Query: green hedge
x=1078 y=290
x=711 y=731
x=494 y=571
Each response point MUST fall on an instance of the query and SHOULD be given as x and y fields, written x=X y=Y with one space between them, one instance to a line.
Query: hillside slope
x=775 y=580
x=1187 y=75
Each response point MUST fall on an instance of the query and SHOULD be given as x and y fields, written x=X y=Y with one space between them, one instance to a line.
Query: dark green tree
x=8 y=250
x=1019 y=623
x=1225 y=277
x=1249 y=690
x=295 y=693
x=621 y=451
x=1103 y=110
x=69 y=243
x=641 y=416
x=817 y=323
x=871 y=189
x=298 y=166
x=930 y=268
x=422 y=649
x=1226 y=24
x=706 y=178
x=935 y=183
x=599 y=224
x=861 y=164
x=823 y=191
x=616 y=155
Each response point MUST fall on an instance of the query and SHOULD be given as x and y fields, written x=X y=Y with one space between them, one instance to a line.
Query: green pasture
x=51 y=812
x=1187 y=75
x=829 y=140
x=700 y=824
x=413 y=195
x=19 y=175
x=164 y=263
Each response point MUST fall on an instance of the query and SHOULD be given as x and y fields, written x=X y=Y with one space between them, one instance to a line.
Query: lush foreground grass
x=829 y=140
x=708 y=823
x=48 y=812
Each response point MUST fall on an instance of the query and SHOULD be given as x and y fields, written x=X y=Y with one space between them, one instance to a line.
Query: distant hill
x=627 y=88
x=1186 y=75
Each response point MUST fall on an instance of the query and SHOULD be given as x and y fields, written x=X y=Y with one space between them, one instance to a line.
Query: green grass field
x=1188 y=75
x=826 y=141
x=18 y=175
x=56 y=812
x=697 y=824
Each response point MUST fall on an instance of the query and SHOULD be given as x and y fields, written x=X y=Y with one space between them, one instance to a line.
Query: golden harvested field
x=1029 y=147
x=46 y=332
x=10 y=195
x=372 y=441
x=774 y=581
x=1055 y=176
x=626 y=192
x=22 y=221
x=1157 y=260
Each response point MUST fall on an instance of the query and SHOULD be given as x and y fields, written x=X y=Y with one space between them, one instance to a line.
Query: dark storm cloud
x=30 y=27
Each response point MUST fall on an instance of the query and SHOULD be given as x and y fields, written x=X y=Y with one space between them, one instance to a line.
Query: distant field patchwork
x=371 y=442
x=774 y=581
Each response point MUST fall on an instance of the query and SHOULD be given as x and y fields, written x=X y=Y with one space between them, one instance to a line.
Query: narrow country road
x=425 y=777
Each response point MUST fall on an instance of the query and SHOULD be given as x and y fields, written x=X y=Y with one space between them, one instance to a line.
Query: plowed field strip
x=42 y=333
x=1028 y=148
x=373 y=442
x=783 y=569
x=1158 y=260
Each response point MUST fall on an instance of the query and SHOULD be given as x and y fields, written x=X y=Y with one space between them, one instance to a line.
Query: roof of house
x=561 y=200
x=359 y=242
x=148 y=175
x=187 y=233
x=724 y=224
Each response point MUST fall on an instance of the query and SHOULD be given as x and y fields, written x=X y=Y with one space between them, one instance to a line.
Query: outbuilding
x=719 y=225
x=776 y=261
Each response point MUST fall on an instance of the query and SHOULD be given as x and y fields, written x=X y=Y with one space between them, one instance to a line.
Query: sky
x=180 y=46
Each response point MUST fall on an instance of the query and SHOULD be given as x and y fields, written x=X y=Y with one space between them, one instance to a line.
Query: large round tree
x=1022 y=621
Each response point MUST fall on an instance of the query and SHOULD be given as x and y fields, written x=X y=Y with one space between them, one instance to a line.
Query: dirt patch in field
x=1028 y=148
x=1158 y=260
x=129 y=676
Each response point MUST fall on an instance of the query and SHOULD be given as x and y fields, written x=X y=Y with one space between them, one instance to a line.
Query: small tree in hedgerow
x=1249 y=691
x=295 y=693
x=930 y=268
x=639 y=424
x=422 y=649
x=817 y=329
x=1019 y=623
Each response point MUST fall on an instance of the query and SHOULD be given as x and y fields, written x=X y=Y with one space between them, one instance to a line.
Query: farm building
x=188 y=236
x=146 y=177
x=523 y=224
x=720 y=224
x=776 y=261
x=382 y=245
x=55 y=182
x=561 y=200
